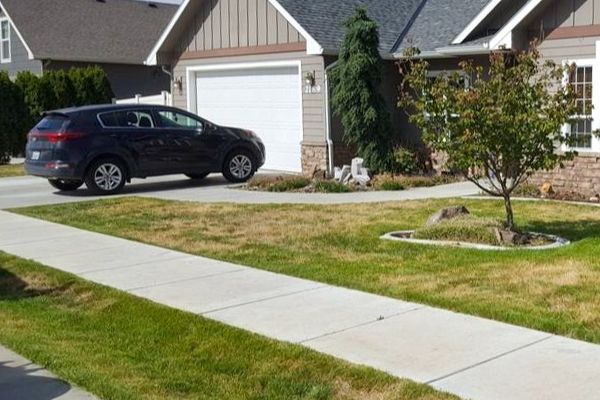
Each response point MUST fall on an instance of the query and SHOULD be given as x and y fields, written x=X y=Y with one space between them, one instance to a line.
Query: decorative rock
x=345 y=174
x=547 y=189
x=508 y=237
x=337 y=174
x=447 y=214
x=355 y=174
x=362 y=180
x=319 y=173
x=357 y=165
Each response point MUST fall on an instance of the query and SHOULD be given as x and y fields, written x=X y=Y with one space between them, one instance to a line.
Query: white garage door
x=265 y=100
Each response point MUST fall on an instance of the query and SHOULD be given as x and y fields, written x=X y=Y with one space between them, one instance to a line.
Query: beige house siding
x=569 y=49
x=223 y=24
x=313 y=103
x=582 y=175
x=568 y=13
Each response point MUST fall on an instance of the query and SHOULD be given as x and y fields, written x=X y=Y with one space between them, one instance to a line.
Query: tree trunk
x=510 y=218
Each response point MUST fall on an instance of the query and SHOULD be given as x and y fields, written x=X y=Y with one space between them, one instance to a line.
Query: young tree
x=356 y=98
x=497 y=125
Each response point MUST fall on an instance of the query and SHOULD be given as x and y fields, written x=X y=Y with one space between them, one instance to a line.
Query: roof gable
x=438 y=23
x=324 y=19
x=109 y=31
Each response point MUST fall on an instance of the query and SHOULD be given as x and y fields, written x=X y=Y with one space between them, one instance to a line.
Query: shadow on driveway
x=138 y=187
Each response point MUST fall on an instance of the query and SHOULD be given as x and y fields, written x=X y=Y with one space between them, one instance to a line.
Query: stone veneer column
x=314 y=158
x=582 y=175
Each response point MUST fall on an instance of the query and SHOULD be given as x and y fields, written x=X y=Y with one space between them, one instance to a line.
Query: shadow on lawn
x=574 y=230
x=13 y=287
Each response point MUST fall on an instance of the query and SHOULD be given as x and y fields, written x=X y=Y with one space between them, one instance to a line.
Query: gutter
x=451 y=51
x=330 y=164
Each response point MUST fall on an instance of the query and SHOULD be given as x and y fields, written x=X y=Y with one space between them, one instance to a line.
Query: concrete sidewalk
x=22 y=380
x=29 y=191
x=471 y=357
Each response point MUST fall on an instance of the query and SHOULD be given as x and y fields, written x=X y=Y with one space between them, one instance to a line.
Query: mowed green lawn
x=556 y=291
x=10 y=170
x=121 y=347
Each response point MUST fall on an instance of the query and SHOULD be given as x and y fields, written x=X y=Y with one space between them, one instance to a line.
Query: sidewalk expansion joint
x=441 y=378
x=362 y=324
x=174 y=258
x=216 y=310
x=198 y=278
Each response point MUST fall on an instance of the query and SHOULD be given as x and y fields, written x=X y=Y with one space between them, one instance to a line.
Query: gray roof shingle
x=324 y=19
x=109 y=31
x=427 y=24
x=438 y=22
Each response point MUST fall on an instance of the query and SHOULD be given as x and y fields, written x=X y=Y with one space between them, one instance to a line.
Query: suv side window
x=127 y=119
x=170 y=119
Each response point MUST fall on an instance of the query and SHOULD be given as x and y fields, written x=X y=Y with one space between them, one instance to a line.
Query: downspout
x=330 y=164
x=165 y=70
x=169 y=73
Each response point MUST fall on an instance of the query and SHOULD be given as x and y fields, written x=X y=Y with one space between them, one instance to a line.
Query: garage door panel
x=265 y=100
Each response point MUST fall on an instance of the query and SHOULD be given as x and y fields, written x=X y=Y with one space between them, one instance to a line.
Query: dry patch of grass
x=11 y=170
x=554 y=290
x=119 y=346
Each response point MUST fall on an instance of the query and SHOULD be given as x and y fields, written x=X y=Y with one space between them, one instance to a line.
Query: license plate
x=35 y=155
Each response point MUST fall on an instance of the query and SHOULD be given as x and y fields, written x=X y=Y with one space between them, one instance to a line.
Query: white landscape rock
x=353 y=174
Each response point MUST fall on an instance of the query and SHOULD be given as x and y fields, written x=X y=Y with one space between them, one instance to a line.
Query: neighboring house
x=117 y=35
x=263 y=64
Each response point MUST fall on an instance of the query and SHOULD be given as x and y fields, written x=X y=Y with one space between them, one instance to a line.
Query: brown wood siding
x=313 y=104
x=224 y=24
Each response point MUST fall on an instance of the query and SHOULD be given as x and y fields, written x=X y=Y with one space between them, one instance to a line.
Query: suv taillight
x=56 y=137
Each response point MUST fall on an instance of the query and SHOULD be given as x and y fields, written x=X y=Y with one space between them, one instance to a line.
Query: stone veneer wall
x=314 y=158
x=582 y=175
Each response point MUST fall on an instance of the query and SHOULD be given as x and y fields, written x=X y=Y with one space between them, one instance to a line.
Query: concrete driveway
x=31 y=191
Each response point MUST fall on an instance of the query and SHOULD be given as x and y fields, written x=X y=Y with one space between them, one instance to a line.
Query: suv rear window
x=52 y=123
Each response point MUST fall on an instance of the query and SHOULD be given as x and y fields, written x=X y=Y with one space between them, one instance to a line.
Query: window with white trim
x=5 y=55
x=581 y=128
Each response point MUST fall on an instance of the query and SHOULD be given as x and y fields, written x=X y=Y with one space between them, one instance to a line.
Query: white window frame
x=595 y=65
x=3 y=58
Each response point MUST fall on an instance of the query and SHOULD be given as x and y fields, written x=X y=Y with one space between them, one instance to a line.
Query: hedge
x=23 y=101
x=13 y=115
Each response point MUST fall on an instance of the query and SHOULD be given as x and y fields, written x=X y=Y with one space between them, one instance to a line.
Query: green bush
x=406 y=161
x=331 y=187
x=12 y=116
x=61 y=89
x=91 y=86
x=29 y=84
x=278 y=183
x=468 y=228
x=400 y=182
x=527 y=190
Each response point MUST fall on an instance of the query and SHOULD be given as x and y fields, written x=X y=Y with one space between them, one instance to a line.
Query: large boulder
x=446 y=214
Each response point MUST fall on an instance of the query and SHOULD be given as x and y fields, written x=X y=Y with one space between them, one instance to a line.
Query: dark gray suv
x=105 y=146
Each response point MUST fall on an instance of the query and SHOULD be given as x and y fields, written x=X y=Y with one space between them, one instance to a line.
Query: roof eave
x=475 y=22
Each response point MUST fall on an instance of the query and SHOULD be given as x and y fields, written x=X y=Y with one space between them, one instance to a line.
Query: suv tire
x=65 y=185
x=106 y=176
x=239 y=166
